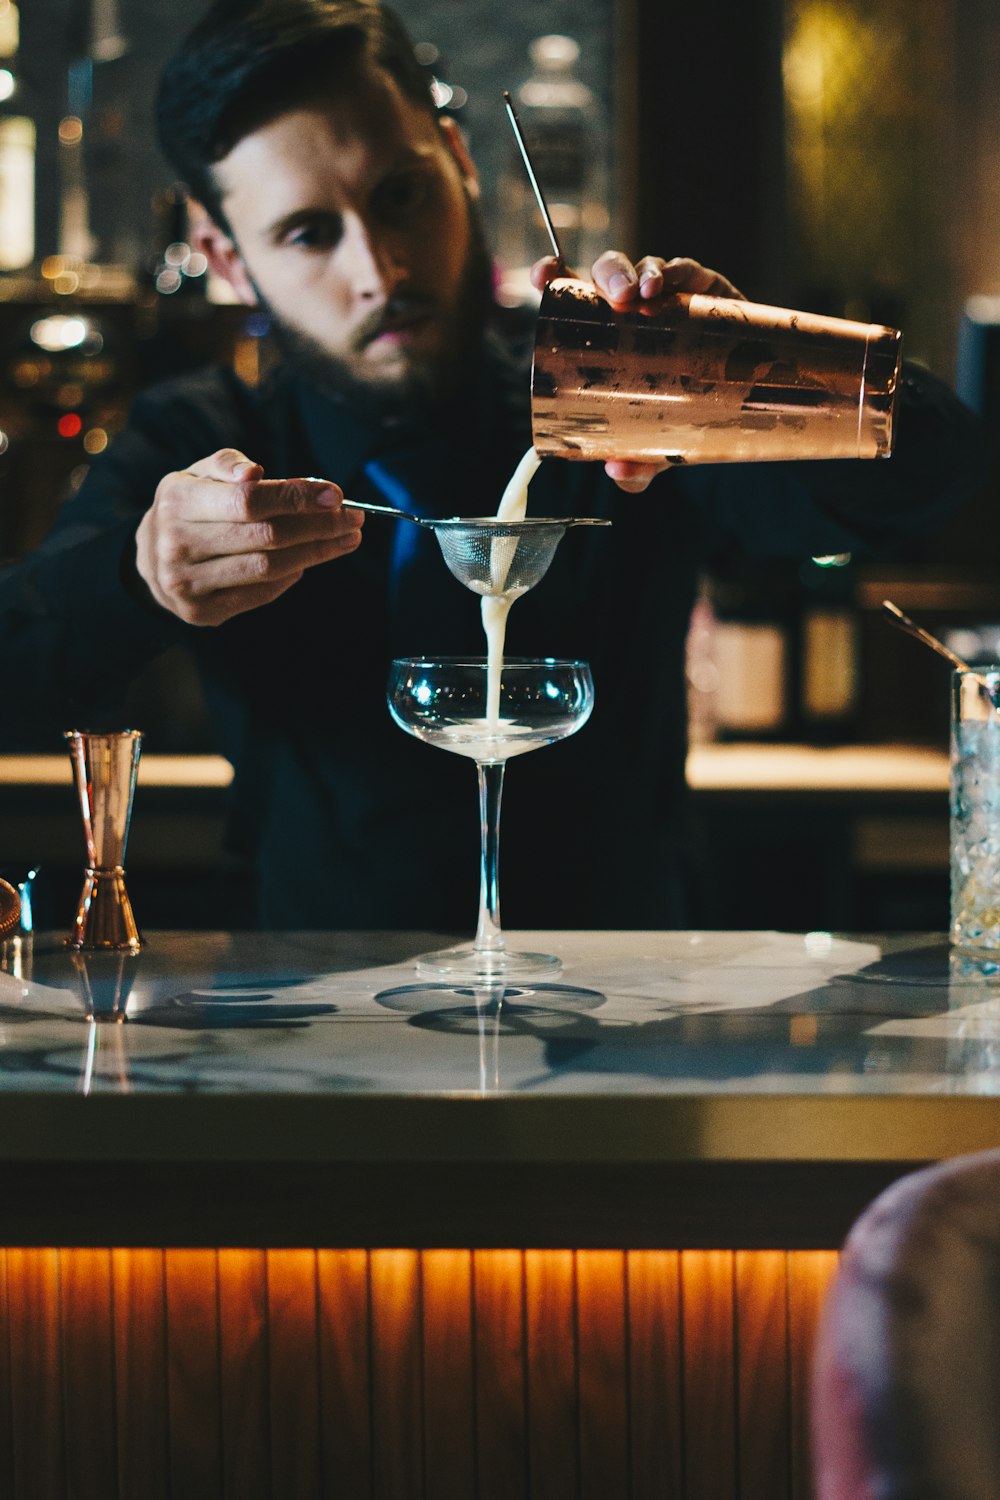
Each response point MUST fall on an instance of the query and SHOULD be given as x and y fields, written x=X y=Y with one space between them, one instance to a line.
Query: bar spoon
x=910 y=627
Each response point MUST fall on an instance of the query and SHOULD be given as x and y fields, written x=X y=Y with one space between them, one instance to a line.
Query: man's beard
x=424 y=385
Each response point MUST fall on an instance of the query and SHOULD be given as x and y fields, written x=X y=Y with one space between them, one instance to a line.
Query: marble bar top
x=727 y=1030
x=321 y=1054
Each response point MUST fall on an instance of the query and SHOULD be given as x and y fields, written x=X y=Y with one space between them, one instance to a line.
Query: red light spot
x=70 y=425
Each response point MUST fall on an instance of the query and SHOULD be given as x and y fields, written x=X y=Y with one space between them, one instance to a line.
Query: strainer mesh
x=501 y=557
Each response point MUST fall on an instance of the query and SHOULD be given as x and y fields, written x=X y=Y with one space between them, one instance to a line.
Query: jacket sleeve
x=872 y=506
x=72 y=616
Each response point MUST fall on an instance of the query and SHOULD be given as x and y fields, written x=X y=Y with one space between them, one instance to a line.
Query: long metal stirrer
x=539 y=196
x=903 y=622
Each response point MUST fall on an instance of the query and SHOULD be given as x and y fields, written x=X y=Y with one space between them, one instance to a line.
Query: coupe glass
x=443 y=700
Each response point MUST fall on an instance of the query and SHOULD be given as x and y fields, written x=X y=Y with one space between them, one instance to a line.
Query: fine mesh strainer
x=501 y=558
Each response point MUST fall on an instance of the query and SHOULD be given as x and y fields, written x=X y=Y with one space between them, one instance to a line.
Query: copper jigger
x=104 y=771
x=699 y=379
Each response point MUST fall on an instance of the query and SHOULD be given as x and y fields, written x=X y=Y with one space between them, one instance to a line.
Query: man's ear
x=455 y=141
x=220 y=251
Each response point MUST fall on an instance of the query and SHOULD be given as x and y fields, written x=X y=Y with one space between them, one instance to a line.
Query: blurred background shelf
x=801 y=837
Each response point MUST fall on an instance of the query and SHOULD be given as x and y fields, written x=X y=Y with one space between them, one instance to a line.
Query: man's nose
x=378 y=265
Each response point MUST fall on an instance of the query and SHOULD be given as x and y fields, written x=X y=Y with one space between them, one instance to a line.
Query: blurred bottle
x=76 y=243
x=563 y=128
x=17 y=151
x=753 y=648
x=828 y=650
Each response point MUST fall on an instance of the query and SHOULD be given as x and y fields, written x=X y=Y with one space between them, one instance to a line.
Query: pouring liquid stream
x=495 y=606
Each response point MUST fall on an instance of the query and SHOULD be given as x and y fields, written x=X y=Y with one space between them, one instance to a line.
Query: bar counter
x=723 y=1089
x=302 y=1226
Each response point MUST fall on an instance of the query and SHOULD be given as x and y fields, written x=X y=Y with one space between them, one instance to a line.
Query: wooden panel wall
x=407 y=1375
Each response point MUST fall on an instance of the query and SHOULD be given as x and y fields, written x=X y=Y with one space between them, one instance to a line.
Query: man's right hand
x=220 y=539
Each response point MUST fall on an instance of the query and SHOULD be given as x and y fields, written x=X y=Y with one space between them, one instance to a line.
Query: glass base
x=480 y=966
x=976 y=951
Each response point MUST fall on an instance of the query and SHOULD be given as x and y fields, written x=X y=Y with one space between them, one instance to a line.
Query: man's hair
x=248 y=61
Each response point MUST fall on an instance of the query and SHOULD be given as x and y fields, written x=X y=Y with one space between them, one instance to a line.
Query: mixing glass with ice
x=975 y=812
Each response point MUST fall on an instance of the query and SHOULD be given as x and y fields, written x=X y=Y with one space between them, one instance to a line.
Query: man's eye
x=316 y=234
x=402 y=195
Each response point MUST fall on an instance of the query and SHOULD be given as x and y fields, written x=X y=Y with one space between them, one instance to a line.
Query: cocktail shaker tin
x=700 y=379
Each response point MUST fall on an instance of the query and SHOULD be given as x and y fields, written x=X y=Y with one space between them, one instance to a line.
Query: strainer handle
x=383 y=510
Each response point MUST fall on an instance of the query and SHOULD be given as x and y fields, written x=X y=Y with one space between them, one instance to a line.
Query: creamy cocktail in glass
x=446 y=701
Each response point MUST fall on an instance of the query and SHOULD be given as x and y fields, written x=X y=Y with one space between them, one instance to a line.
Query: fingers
x=227 y=465
x=546 y=270
x=219 y=538
x=623 y=283
x=633 y=477
x=682 y=275
x=616 y=277
x=216 y=489
x=224 y=604
x=270 y=534
x=196 y=576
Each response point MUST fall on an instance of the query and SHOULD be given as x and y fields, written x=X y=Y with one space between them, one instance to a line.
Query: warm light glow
x=803 y=1031
x=95 y=441
x=9 y=28
x=69 y=425
x=409 y=1364
x=863 y=85
x=246 y=360
x=58 y=332
x=28 y=372
x=71 y=130
x=818 y=63
x=982 y=309
x=17 y=182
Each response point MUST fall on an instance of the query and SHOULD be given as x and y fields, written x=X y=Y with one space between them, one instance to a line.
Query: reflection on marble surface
x=636 y=1013
x=490 y=1012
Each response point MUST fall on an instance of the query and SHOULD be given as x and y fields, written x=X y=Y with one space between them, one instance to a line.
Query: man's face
x=352 y=223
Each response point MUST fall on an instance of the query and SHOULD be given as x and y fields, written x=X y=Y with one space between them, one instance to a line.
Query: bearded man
x=333 y=195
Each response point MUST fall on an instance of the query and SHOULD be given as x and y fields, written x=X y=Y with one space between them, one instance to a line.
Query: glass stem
x=489 y=938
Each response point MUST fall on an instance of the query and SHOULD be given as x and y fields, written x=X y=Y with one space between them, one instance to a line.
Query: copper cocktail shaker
x=698 y=379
